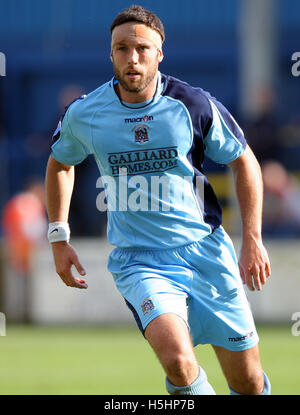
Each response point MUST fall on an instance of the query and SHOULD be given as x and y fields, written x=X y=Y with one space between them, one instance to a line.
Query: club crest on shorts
x=141 y=133
x=147 y=306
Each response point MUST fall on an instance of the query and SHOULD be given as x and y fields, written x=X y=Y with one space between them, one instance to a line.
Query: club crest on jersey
x=141 y=133
x=147 y=306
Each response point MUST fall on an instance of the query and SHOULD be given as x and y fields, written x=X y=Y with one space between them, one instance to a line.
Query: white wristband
x=58 y=231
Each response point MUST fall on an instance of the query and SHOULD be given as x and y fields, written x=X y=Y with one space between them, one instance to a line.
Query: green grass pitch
x=41 y=360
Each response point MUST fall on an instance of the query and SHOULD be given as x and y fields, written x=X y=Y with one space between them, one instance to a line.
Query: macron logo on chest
x=145 y=118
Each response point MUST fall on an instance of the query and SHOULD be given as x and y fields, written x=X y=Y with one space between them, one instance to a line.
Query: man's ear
x=160 y=55
x=111 y=56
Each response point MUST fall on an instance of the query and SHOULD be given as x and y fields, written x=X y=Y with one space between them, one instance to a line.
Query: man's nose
x=133 y=56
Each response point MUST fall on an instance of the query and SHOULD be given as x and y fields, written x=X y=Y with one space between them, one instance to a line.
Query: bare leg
x=169 y=337
x=242 y=369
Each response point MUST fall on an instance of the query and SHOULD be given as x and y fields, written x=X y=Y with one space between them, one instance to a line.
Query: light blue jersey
x=172 y=255
x=150 y=156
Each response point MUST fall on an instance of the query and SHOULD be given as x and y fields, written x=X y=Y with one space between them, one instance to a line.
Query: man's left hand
x=254 y=264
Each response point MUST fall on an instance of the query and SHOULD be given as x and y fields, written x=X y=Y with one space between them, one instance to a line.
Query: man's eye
x=122 y=48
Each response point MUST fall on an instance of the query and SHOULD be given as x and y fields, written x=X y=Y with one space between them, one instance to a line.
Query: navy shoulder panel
x=196 y=100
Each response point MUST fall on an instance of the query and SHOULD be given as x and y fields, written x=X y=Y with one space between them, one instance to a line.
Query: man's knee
x=250 y=383
x=169 y=337
x=181 y=368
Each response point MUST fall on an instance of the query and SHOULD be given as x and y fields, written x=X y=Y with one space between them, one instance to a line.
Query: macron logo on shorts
x=239 y=339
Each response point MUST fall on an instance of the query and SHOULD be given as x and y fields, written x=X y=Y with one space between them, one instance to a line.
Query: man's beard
x=143 y=82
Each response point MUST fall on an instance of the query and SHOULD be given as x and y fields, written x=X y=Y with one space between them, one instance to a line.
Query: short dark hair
x=138 y=14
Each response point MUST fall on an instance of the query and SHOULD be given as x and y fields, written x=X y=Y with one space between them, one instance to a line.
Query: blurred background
x=241 y=52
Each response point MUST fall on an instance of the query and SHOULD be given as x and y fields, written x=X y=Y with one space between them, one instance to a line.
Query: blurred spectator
x=262 y=132
x=290 y=133
x=37 y=142
x=281 y=214
x=24 y=226
x=290 y=139
x=67 y=95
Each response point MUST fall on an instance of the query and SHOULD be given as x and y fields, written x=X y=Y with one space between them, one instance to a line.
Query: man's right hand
x=64 y=257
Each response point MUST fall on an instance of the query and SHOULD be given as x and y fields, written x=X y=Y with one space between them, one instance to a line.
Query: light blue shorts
x=200 y=282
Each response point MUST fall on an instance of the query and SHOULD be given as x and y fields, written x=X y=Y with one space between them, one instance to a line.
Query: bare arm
x=59 y=188
x=254 y=262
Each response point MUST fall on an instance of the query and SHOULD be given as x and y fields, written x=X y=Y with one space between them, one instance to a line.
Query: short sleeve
x=225 y=140
x=67 y=149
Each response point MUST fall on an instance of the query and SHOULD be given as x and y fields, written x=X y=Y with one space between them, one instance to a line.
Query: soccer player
x=173 y=263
